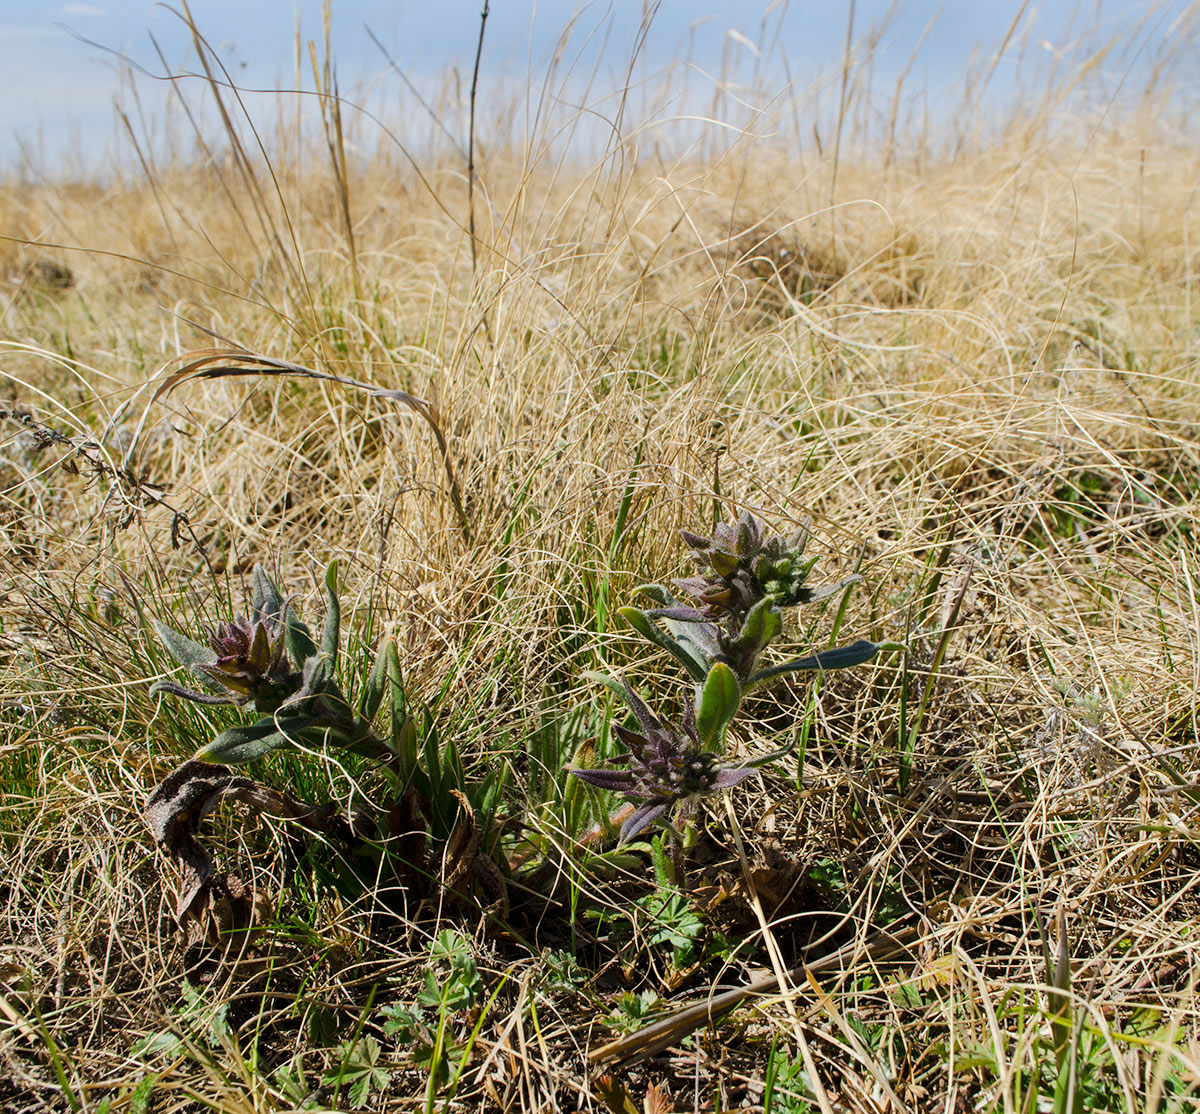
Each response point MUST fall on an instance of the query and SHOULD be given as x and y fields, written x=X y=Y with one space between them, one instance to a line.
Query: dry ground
x=974 y=369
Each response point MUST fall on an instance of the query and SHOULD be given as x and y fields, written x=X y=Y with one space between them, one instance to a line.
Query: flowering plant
x=736 y=605
x=746 y=577
x=269 y=663
x=670 y=768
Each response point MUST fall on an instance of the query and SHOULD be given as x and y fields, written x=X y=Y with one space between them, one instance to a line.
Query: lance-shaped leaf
x=364 y=743
x=617 y=688
x=816 y=595
x=385 y=679
x=244 y=663
x=719 y=699
x=315 y=678
x=767 y=759
x=333 y=616
x=685 y=624
x=841 y=657
x=300 y=644
x=173 y=689
x=763 y=622
x=646 y=627
x=702 y=640
x=246 y=742
x=386 y=682
x=404 y=744
x=659 y=592
x=266 y=602
x=185 y=651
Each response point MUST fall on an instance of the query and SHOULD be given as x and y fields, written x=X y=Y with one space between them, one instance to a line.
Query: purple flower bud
x=251 y=663
x=667 y=768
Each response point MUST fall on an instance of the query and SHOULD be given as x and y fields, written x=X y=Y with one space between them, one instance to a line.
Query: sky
x=63 y=61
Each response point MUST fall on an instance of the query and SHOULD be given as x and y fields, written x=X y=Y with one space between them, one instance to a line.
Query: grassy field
x=966 y=356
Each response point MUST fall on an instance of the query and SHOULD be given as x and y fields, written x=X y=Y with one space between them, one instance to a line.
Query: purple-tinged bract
x=668 y=768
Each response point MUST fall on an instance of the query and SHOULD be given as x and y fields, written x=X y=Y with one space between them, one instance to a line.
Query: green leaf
x=376 y=683
x=452 y=771
x=265 y=601
x=611 y=683
x=184 y=650
x=762 y=623
x=449 y=945
x=660 y=860
x=246 y=742
x=430 y=994
x=386 y=680
x=825 y=591
x=673 y=922
x=315 y=677
x=140 y=1096
x=658 y=592
x=841 y=657
x=298 y=637
x=719 y=701
x=774 y=756
x=359 y=1067
x=405 y=742
x=165 y=1042
x=646 y=627
x=333 y=616
x=403 y=1022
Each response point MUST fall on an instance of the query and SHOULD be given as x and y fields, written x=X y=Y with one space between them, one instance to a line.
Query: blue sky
x=60 y=90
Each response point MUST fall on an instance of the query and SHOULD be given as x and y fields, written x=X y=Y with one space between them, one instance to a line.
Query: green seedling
x=428 y=1025
x=358 y=1070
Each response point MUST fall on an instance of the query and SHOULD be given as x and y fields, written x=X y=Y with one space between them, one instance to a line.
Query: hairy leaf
x=300 y=644
x=719 y=701
x=763 y=622
x=246 y=742
x=265 y=601
x=645 y=626
x=184 y=650
x=333 y=616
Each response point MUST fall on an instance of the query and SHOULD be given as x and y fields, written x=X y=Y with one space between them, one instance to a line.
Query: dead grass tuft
x=973 y=368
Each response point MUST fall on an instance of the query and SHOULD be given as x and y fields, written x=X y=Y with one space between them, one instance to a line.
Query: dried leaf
x=180 y=803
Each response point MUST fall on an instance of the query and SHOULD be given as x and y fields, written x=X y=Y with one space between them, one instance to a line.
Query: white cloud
x=82 y=9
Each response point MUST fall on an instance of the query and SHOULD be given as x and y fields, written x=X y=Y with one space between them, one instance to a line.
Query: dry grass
x=974 y=370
